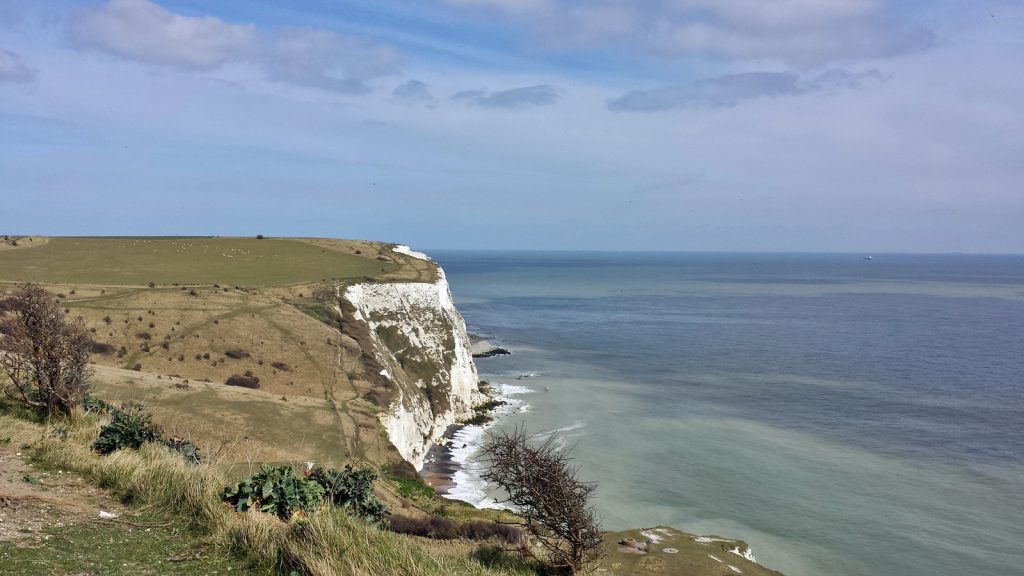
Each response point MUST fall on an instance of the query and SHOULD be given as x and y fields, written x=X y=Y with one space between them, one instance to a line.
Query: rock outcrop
x=420 y=342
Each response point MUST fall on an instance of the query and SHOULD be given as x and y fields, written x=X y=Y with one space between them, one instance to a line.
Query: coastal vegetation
x=43 y=354
x=202 y=403
x=553 y=504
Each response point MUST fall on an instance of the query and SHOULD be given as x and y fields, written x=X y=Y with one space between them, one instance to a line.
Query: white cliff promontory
x=420 y=340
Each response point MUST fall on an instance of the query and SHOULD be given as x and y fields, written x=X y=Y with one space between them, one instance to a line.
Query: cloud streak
x=514 y=98
x=731 y=89
x=795 y=31
x=12 y=69
x=143 y=31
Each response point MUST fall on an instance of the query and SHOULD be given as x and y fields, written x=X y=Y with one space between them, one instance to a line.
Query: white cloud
x=12 y=69
x=142 y=30
x=146 y=32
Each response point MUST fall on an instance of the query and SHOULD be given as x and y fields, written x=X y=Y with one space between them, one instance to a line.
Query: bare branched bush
x=554 y=505
x=45 y=355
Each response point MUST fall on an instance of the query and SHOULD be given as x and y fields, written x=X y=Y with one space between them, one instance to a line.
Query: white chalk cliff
x=420 y=340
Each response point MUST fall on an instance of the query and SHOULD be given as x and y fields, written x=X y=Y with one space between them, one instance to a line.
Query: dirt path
x=32 y=500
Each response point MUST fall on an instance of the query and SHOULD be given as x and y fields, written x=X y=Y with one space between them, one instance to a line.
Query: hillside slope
x=190 y=313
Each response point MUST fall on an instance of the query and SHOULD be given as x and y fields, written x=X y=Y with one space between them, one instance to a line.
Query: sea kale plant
x=352 y=489
x=275 y=490
x=188 y=450
x=282 y=492
x=130 y=427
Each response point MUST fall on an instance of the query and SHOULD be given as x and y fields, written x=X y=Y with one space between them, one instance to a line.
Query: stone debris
x=108 y=515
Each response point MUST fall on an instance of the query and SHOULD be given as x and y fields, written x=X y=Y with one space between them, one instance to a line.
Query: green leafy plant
x=352 y=489
x=94 y=404
x=130 y=427
x=188 y=450
x=275 y=490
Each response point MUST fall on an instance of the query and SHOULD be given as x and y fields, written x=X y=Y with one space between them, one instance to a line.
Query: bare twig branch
x=543 y=487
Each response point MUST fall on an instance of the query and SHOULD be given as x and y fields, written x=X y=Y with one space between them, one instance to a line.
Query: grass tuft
x=326 y=542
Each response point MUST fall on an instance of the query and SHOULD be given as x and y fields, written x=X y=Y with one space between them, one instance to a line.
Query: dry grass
x=328 y=542
x=190 y=336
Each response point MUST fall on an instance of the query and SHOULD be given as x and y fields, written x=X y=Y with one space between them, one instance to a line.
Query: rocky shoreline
x=481 y=347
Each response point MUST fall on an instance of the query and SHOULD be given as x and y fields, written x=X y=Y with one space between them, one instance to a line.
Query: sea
x=845 y=416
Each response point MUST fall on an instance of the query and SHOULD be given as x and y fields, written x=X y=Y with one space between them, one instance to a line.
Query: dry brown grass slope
x=179 y=316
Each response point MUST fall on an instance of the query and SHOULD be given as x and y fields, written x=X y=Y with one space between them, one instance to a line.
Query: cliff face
x=420 y=342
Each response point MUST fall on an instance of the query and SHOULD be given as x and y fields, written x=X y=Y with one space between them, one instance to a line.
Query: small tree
x=554 y=505
x=45 y=355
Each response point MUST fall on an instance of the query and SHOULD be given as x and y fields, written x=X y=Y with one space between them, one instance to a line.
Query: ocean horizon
x=842 y=415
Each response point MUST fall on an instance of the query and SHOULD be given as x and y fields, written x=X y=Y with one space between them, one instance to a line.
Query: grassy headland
x=172 y=320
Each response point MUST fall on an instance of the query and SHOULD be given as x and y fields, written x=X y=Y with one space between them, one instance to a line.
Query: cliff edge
x=419 y=343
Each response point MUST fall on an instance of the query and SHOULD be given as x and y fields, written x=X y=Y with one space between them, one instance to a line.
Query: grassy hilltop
x=172 y=320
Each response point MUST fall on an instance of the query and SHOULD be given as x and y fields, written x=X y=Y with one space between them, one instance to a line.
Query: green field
x=138 y=261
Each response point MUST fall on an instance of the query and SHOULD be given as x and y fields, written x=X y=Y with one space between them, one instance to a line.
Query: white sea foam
x=654 y=538
x=469 y=486
x=746 y=553
x=709 y=539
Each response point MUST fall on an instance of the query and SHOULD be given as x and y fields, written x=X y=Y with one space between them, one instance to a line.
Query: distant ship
x=869 y=257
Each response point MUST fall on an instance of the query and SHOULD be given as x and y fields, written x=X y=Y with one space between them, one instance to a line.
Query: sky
x=691 y=125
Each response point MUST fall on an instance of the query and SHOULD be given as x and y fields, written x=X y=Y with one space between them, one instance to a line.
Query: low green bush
x=188 y=450
x=352 y=489
x=275 y=490
x=130 y=427
x=94 y=404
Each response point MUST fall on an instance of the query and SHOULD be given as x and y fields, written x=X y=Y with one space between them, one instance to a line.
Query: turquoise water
x=843 y=416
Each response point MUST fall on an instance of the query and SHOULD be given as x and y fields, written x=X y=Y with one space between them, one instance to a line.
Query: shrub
x=188 y=450
x=44 y=355
x=275 y=490
x=243 y=381
x=237 y=354
x=444 y=529
x=102 y=348
x=351 y=489
x=137 y=367
x=553 y=504
x=130 y=427
x=144 y=336
x=281 y=366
